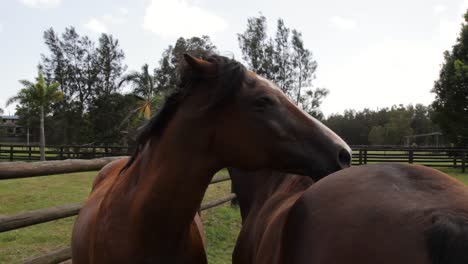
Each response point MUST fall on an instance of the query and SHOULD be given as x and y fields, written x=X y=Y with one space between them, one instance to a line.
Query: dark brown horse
x=142 y=210
x=387 y=213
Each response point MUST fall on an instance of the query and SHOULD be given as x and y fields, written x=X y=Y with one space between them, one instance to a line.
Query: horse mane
x=229 y=78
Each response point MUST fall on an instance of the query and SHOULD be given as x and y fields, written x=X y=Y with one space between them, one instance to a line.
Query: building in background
x=10 y=131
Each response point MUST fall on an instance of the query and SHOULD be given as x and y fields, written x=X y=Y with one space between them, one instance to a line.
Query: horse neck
x=254 y=188
x=170 y=180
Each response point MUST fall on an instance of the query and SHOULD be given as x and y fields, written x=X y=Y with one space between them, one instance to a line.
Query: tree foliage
x=165 y=73
x=387 y=126
x=284 y=60
x=144 y=88
x=451 y=90
x=87 y=73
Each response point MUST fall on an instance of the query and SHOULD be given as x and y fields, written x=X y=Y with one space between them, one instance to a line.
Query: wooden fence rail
x=432 y=157
x=34 y=217
x=19 y=169
x=61 y=152
x=53 y=257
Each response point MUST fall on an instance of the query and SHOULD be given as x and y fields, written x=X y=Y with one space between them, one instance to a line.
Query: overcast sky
x=370 y=53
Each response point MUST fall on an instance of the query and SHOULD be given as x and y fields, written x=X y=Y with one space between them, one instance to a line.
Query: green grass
x=463 y=177
x=222 y=224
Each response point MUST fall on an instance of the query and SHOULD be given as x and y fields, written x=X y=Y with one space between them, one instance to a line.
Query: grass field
x=222 y=224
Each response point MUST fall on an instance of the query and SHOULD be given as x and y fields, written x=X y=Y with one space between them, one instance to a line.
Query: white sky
x=371 y=53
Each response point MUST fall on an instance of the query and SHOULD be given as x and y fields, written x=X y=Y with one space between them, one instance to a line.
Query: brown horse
x=143 y=211
x=386 y=213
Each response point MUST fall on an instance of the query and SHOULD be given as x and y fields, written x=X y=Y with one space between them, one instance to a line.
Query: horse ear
x=202 y=66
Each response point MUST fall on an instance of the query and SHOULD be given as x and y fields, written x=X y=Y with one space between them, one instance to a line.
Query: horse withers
x=383 y=213
x=143 y=210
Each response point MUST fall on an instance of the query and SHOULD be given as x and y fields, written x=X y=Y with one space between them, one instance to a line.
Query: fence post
x=365 y=156
x=11 y=153
x=94 y=152
x=360 y=157
x=234 y=202
x=29 y=153
x=463 y=161
x=410 y=156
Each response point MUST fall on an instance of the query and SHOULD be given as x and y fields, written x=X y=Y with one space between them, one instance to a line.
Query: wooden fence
x=434 y=157
x=24 y=219
x=62 y=152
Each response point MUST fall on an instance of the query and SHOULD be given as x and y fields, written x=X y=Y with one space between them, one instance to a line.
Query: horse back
x=390 y=213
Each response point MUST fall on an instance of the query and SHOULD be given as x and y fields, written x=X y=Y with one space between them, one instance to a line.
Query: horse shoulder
x=111 y=169
x=275 y=218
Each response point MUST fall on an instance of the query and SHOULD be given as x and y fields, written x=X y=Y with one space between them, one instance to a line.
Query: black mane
x=229 y=78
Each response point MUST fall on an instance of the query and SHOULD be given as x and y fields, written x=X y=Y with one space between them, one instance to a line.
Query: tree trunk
x=299 y=88
x=42 y=136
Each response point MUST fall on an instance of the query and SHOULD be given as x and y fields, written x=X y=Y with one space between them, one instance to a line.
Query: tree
x=377 y=135
x=283 y=60
x=144 y=88
x=110 y=59
x=399 y=125
x=310 y=102
x=257 y=49
x=283 y=70
x=38 y=95
x=386 y=126
x=86 y=73
x=451 y=90
x=108 y=118
x=165 y=73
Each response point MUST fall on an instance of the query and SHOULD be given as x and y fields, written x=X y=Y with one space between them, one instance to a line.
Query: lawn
x=463 y=177
x=222 y=224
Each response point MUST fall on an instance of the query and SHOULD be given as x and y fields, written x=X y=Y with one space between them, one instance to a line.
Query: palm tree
x=38 y=95
x=144 y=88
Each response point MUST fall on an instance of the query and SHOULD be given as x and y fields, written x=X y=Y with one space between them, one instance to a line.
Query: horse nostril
x=344 y=158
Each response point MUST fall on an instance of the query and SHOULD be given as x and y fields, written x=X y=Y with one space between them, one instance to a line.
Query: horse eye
x=263 y=102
